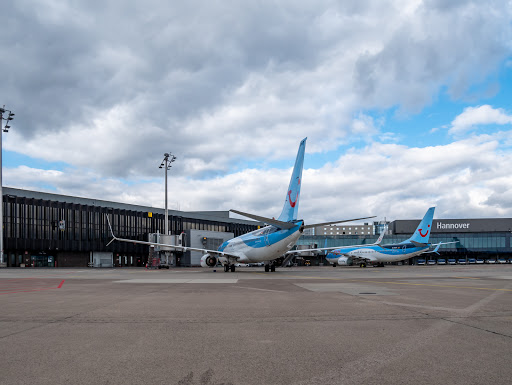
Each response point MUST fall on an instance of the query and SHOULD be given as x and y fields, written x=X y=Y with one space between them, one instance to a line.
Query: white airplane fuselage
x=265 y=244
x=377 y=254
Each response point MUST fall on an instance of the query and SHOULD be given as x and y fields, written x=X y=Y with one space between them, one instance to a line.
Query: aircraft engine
x=345 y=261
x=208 y=260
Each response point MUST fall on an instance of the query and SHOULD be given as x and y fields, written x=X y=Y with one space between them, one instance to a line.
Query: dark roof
x=218 y=216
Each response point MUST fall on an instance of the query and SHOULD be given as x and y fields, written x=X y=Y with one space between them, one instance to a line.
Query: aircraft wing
x=437 y=246
x=432 y=251
x=332 y=223
x=329 y=248
x=176 y=247
x=443 y=243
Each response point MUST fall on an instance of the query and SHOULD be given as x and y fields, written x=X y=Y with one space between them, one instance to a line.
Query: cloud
x=475 y=116
x=112 y=87
x=365 y=125
x=463 y=179
x=108 y=88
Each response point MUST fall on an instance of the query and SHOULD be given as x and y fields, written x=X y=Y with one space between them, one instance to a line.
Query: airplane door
x=404 y=249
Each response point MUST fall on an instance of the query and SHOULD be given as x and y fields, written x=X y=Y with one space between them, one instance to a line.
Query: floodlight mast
x=10 y=117
x=166 y=163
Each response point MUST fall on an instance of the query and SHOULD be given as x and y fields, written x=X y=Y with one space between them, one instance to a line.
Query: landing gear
x=362 y=264
x=229 y=268
x=333 y=265
x=270 y=267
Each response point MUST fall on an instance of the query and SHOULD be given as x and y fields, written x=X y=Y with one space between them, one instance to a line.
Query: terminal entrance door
x=42 y=261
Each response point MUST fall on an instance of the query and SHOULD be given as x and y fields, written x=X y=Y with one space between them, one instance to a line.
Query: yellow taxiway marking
x=467 y=277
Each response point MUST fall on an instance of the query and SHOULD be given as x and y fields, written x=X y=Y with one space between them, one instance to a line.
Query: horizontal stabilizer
x=270 y=221
x=332 y=223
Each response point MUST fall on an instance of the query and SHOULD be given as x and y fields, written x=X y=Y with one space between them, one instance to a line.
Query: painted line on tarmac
x=466 y=277
x=256 y=288
x=179 y=280
x=393 y=283
x=21 y=289
x=298 y=276
x=431 y=285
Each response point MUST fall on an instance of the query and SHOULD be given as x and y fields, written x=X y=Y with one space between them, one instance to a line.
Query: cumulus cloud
x=463 y=178
x=481 y=115
x=108 y=88
x=211 y=81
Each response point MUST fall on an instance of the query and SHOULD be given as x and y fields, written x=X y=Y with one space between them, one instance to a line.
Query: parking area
x=309 y=325
x=464 y=261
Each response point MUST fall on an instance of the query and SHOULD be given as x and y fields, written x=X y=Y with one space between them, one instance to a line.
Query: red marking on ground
x=26 y=285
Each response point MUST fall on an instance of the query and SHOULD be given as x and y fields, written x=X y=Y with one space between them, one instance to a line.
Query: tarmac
x=301 y=325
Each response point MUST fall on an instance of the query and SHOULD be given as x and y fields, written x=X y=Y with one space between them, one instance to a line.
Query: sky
x=405 y=104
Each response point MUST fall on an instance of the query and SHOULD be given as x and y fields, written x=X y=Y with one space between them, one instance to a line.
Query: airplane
x=267 y=244
x=377 y=254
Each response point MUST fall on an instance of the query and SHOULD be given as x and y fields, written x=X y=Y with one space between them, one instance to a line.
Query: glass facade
x=39 y=232
x=470 y=244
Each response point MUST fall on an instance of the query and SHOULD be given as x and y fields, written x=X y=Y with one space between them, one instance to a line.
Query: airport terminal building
x=477 y=238
x=51 y=230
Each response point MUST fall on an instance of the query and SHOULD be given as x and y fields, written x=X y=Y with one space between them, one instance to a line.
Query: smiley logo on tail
x=423 y=236
x=293 y=203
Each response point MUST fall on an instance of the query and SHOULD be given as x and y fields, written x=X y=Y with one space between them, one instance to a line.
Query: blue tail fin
x=291 y=204
x=422 y=233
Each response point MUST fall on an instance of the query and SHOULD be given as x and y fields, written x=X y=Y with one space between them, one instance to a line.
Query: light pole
x=10 y=117
x=168 y=159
